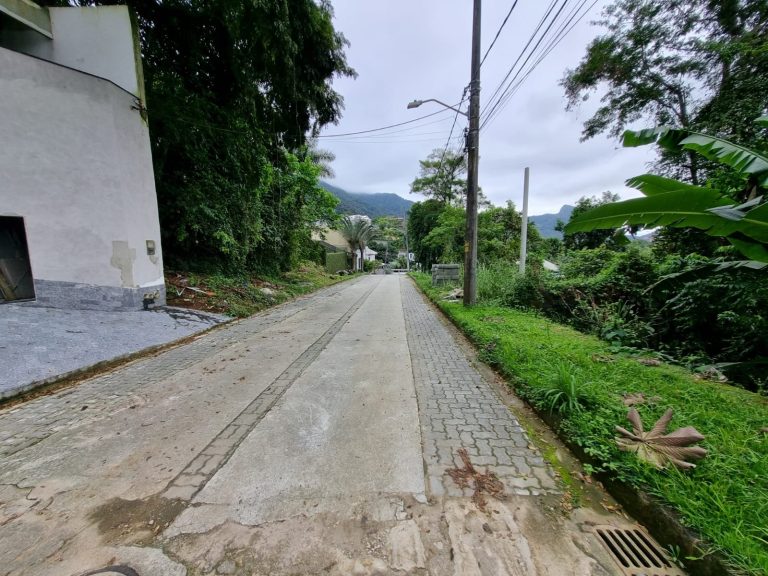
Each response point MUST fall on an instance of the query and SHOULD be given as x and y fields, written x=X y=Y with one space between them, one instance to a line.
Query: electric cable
x=493 y=105
x=383 y=127
x=564 y=29
x=498 y=32
x=530 y=39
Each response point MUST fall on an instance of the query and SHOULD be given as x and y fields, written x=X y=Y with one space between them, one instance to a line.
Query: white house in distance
x=79 y=224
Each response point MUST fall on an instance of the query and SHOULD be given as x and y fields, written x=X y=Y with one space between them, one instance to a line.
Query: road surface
x=314 y=438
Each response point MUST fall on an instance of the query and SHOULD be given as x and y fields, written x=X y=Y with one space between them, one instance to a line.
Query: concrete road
x=321 y=437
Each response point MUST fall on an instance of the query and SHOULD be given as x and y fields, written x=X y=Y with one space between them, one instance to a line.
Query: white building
x=79 y=224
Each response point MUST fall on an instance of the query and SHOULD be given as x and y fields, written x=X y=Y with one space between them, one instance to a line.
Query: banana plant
x=668 y=202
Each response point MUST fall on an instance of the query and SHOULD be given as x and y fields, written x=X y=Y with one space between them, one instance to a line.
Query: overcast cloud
x=419 y=49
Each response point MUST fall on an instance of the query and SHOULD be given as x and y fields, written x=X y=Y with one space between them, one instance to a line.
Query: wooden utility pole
x=473 y=149
x=524 y=227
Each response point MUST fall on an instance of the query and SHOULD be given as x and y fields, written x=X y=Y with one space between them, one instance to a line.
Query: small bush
x=565 y=392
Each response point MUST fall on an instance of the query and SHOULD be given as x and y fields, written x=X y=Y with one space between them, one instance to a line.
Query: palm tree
x=321 y=157
x=357 y=231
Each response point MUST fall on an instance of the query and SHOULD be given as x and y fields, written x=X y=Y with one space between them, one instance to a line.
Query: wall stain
x=123 y=257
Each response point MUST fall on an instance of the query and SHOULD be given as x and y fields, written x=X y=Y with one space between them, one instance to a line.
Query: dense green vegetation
x=725 y=498
x=694 y=64
x=713 y=323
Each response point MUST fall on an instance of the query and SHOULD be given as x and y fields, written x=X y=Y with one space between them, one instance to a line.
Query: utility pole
x=407 y=252
x=473 y=142
x=524 y=227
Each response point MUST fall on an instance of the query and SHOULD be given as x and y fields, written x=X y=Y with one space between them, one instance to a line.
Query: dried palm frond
x=659 y=448
x=638 y=398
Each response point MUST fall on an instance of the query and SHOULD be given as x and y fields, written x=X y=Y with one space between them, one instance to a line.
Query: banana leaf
x=707 y=210
x=741 y=159
x=651 y=184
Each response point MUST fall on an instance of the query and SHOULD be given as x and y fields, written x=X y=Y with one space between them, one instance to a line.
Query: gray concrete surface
x=293 y=442
x=39 y=343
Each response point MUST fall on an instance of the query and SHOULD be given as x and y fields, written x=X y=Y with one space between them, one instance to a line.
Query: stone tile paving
x=40 y=343
x=31 y=423
x=459 y=409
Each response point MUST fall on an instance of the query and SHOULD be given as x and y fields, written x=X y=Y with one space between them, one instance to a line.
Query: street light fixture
x=417 y=103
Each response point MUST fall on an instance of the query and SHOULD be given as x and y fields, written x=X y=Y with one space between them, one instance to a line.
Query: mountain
x=372 y=205
x=546 y=222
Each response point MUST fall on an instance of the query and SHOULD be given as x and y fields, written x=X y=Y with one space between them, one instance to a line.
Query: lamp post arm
x=417 y=103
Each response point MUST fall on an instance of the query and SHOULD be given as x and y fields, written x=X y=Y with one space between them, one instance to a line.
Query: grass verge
x=724 y=499
x=241 y=296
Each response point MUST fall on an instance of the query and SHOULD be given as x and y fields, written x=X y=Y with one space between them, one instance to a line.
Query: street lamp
x=473 y=138
x=417 y=103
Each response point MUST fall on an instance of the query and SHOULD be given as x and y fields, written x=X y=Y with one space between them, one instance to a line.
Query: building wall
x=97 y=40
x=76 y=163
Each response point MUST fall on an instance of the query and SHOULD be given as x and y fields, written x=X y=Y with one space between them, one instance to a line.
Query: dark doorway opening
x=15 y=269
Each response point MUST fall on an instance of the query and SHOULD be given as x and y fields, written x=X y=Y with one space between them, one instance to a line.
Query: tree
x=499 y=231
x=738 y=214
x=446 y=237
x=441 y=177
x=320 y=157
x=233 y=89
x=422 y=219
x=692 y=64
x=592 y=238
x=389 y=237
x=357 y=231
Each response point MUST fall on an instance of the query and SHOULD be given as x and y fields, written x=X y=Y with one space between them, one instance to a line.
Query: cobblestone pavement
x=101 y=397
x=41 y=343
x=458 y=409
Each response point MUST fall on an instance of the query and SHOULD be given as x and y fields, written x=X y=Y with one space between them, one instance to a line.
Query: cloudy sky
x=418 y=49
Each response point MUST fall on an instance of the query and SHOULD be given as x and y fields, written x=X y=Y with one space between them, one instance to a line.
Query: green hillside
x=546 y=222
x=372 y=205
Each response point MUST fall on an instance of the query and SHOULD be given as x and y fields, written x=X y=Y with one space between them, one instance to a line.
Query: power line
x=455 y=118
x=498 y=32
x=340 y=141
x=400 y=130
x=572 y=19
x=562 y=33
x=522 y=52
x=527 y=59
x=384 y=127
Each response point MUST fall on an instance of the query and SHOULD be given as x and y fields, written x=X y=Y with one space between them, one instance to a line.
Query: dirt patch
x=135 y=521
x=483 y=483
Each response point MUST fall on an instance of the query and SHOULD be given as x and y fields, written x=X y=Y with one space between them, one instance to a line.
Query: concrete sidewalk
x=314 y=438
x=40 y=344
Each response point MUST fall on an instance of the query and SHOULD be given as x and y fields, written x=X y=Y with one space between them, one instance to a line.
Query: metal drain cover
x=635 y=552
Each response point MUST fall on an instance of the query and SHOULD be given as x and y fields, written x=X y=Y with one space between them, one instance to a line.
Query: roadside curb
x=59 y=382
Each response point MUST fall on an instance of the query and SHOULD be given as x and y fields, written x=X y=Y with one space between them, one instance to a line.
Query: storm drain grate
x=635 y=552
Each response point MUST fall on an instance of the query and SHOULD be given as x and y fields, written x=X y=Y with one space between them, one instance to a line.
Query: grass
x=725 y=498
x=241 y=296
